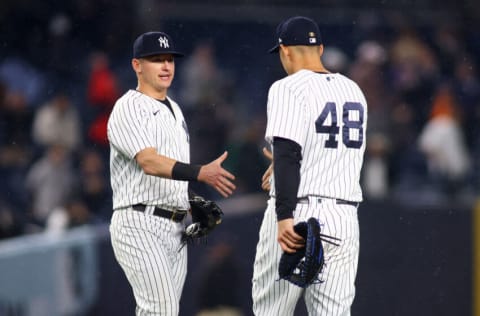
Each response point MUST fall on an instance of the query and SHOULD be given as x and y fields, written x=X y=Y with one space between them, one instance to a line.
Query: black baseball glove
x=206 y=215
x=303 y=266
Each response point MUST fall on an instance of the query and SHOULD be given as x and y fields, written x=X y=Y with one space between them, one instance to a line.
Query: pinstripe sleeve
x=127 y=128
x=285 y=114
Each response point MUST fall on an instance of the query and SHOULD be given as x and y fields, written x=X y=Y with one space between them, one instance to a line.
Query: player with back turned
x=316 y=126
x=150 y=169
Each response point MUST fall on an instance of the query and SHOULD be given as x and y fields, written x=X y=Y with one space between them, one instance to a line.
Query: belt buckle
x=174 y=211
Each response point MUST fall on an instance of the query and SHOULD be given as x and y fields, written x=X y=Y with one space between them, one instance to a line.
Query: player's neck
x=311 y=68
x=312 y=65
x=316 y=67
x=151 y=92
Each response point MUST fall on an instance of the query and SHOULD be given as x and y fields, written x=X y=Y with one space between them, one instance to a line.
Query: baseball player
x=150 y=170
x=316 y=124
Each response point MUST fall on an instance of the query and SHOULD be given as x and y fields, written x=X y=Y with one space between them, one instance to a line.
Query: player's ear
x=285 y=52
x=136 y=65
x=284 y=49
x=320 y=50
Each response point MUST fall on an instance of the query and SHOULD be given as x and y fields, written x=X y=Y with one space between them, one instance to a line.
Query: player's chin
x=164 y=84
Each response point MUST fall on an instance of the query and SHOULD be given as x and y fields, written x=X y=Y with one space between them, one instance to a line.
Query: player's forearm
x=154 y=164
x=286 y=170
x=161 y=166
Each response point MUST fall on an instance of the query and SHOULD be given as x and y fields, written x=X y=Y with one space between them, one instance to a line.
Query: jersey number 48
x=352 y=128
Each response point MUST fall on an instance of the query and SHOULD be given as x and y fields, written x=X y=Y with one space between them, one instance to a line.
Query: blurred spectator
x=408 y=48
x=208 y=131
x=102 y=83
x=449 y=44
x=403 y=153
x=61 y=49
x=73 y=213
x=94 y=184
x=23 y=79
x=209 y=128
x=102 y=92
x=367 y=71
x=414 y=71
x=57 y=122
x=15 y=119
x=442 y=142
x=50 y=182
x=208 y=100
x=15 y=145
x=466 y=85
x=335 y=60
x=376 y=180
x=246 y=159
x=202 y=79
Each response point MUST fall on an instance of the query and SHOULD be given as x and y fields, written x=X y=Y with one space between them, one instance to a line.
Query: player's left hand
x=288 y=239
x=206 y=215
x=268 y=173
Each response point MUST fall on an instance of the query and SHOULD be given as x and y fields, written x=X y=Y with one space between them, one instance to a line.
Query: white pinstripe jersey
x=138 y=121
x=326 y=114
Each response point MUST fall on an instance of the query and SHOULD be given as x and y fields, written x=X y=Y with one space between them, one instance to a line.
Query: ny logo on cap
x=163 y=42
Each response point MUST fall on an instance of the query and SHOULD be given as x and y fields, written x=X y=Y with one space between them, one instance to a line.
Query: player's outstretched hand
x=288 y=239
x=214 y=175
x=268 y=173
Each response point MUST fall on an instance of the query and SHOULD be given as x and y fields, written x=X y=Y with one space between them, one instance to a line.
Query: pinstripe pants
x=147 y=249
x=334 y=296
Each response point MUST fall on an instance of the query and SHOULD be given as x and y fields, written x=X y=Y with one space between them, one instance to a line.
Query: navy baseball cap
x=297 y=30
x=154 y=43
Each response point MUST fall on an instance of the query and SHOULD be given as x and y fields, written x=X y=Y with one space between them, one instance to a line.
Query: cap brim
x=274 y=49
x=174 y=53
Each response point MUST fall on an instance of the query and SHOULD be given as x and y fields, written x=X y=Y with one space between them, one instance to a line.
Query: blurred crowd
x=421 y=82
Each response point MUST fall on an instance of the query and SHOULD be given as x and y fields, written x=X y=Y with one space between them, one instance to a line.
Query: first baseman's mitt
x=303 y=266
x=206 y=215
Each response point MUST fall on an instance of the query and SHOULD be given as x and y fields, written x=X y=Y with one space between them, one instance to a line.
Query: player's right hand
x=214 y=175
x=288 y=239
x=268 y=173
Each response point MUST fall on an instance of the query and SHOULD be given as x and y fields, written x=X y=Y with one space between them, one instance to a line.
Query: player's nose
x=167 y=66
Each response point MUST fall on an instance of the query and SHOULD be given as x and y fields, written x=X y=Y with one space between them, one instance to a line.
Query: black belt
x=338 y=201
x=176 y=216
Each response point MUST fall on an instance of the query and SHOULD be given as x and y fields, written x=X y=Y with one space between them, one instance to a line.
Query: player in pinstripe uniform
x=150 y=170
x=316 y=124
